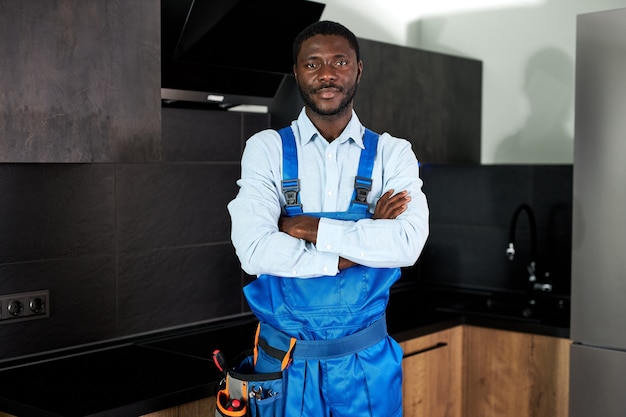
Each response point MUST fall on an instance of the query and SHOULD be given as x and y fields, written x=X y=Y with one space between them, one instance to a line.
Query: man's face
x=327 y=73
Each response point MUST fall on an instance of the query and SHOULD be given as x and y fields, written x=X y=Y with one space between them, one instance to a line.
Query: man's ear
x=359 y=71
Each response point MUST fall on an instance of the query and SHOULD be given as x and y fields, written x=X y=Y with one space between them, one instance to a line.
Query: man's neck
x=330 y=127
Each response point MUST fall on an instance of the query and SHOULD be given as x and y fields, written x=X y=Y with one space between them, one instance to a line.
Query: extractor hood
x=226 y=53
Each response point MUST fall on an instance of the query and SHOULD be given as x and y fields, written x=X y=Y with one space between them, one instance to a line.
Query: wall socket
x=24 y=306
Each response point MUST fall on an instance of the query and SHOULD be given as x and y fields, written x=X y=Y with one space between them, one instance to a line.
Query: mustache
x=336 y=87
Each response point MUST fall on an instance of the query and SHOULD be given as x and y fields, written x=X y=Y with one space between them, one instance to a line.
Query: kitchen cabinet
x=515 y=374
x=81 y=81
x=433 y=374
x=432 y=99
x=99 y=99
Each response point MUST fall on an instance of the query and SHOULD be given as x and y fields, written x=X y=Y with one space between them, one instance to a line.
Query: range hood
x=229 y=53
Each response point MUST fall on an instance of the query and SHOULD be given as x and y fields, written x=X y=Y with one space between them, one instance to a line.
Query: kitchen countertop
x=175 y=367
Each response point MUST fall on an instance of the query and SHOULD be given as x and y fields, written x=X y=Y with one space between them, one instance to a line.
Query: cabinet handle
x=433 y=347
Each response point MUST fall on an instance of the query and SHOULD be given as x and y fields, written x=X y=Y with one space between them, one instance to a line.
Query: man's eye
x=342 y=62
x=310 y=65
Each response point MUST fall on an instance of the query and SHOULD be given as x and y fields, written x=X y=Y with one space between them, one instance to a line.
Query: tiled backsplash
x=129 y=248
x=471 y=208
x=126 y=248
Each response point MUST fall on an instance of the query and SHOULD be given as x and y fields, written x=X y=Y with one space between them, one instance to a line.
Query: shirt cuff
x=329 y=234
x=327 y=263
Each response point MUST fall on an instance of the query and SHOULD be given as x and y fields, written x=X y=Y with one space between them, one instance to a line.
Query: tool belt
x=244 y=391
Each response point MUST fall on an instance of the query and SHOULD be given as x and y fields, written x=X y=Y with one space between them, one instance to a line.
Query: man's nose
x=327 y=72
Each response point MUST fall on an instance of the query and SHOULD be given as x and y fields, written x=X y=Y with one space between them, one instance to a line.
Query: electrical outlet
x=24 y=306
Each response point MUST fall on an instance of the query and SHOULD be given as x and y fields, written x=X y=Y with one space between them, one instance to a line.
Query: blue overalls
x=344 y=364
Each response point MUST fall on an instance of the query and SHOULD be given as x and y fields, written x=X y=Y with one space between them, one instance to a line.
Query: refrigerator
x=598 y=301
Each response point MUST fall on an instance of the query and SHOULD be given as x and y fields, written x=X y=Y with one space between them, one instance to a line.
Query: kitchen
x=137 y=226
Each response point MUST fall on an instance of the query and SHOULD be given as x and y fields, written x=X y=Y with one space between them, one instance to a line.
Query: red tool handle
x=219 y=360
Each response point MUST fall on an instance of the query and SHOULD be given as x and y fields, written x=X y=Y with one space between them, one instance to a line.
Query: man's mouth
x=328 y=91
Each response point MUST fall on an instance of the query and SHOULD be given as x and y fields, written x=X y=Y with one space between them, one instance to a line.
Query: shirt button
x=294 y=272
x=362 y=255
x=330 y=193
x=329 y=156
x=329 y=246
x=325 y=269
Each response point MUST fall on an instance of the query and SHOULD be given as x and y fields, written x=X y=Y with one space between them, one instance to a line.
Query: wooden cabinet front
x=511 y=374
x=433 y=377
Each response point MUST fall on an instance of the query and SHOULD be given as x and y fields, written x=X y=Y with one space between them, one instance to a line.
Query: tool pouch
x=242 y=392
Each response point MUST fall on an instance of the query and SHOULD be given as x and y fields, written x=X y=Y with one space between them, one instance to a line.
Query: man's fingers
x=390 y=206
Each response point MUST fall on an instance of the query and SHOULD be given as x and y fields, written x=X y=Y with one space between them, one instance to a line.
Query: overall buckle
x=290 y=191
x=362 y=186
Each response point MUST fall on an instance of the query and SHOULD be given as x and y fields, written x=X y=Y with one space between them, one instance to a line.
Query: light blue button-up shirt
x=326 y=172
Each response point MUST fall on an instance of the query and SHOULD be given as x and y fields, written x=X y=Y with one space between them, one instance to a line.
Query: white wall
x=527 y=48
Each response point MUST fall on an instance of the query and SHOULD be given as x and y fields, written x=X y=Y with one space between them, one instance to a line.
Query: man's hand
x=390 y=206
x=387 y=207
x=301 y=227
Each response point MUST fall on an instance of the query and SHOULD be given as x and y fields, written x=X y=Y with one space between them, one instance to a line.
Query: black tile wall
x=82 y=303
x=173 y=287
x=471 y=207
x=129 y=248
x=126 y=248
x=164 y=205
x=52 y=211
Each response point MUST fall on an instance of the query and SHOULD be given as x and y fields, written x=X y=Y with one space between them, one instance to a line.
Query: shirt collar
x=308 y=131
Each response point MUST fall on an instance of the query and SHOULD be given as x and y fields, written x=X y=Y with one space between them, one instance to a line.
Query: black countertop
x=172 y=368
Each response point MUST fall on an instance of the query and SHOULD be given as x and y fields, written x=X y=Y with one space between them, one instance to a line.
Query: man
x=303 y=223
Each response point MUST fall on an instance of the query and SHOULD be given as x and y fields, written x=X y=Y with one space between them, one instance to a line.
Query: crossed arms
x=389 y=206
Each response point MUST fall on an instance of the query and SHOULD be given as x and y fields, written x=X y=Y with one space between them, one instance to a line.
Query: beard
x=307 y=97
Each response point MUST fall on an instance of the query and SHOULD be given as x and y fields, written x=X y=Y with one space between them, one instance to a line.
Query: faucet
x=510 y=251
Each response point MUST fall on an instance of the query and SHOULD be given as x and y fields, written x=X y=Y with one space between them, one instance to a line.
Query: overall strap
x=363 y=180
x=290 y=182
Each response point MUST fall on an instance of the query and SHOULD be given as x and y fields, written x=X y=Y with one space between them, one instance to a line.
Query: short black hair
x=325 y=27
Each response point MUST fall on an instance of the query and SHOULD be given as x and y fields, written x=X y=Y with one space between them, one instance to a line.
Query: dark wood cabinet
x=83 y=85
x=80 y=81
x=431 y=99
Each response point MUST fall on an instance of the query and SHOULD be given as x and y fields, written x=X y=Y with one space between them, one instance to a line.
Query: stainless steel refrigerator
x=598 y=307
